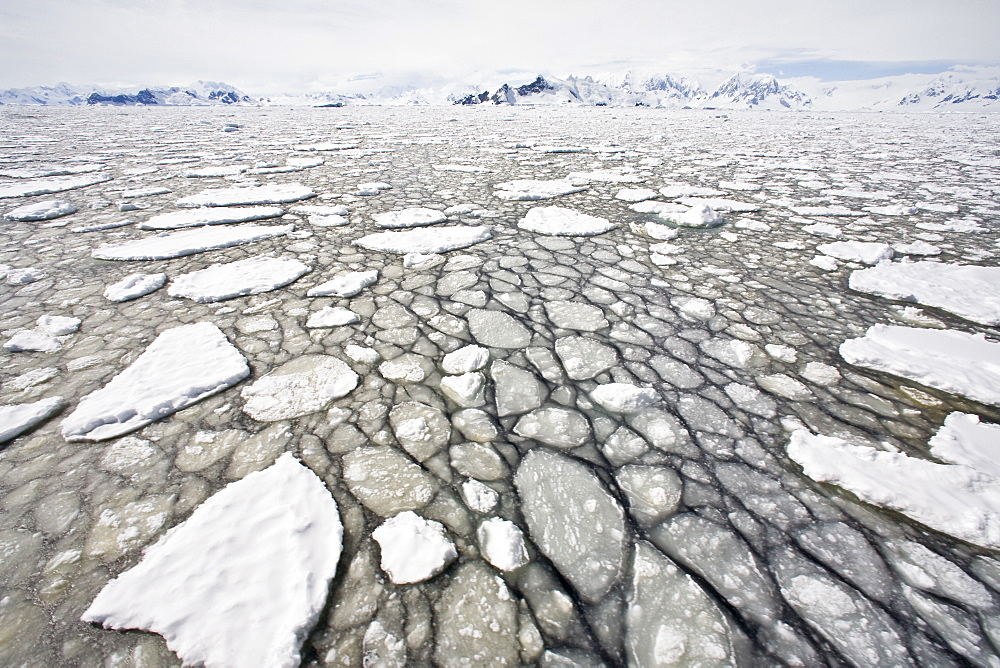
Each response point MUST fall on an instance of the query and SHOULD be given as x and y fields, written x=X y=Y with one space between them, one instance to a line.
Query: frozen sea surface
x=661 y=427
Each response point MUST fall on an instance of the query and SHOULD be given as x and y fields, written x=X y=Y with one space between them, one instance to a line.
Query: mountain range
x=967 y=89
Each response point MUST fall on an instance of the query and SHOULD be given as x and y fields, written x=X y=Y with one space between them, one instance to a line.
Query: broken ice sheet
x=413 y=548
x=237 y=279
x=242 y=581
x=188 y=242
x=424 y=242
x=301 y=386
x=180 y=367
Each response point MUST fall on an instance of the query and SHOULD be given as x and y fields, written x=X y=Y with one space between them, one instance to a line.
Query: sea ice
x=556 y=426
x=413 y=549
x=465 y=359
x=865 y=252
x=956 y=362
x=479 y=496
x=653 y=492
x=134 y=286
x=46 y=210
x=560 y=221
x=635 y=194
x=502 y=544
x=188 y=242
x=18 y=418
x=243 y=580
x=299 y=387
x=347 y=284
x=496 y=329
x=517 y=390
x=584 y=358
x=386 y=481
x=413 y=217
x=714 y=204
x=209 y=216
x=623 y=397
x=422 y=430
x=969 y=291
x=332 y=316
x=49 y=186
x=279 y=193
x=574 y=520
x=180 y=367
x=236 y=279
x=574 y=315
x=824 y=211
x=437 y=240
x=530 y=190
x=956 y=499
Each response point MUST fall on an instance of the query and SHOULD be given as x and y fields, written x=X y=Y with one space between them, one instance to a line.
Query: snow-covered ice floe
x=696 y=215
x=425 y=242
x=181 y=367
x=347 y=284
x=304 y=385
x=865 y=252
x=560 y=221
x=236 y=279
x=18 y=418
x=188 y=242
x=528 y=190
x=46 y=210
x=134 y=286
x=955 y=362
x=209 y=216
x=960 y=497
x=280 y=193
x=969 y=291
x=417 y=216
x=243 y=580
x=56 y=184
x=413 y=549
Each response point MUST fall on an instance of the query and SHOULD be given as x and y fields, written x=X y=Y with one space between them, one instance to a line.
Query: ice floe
x=865 y=252
x=243 y=580
x=304 y=385
x=188 y=242
x=209 y=216
x=180 y=367
x=502 y=544
x=280 y=193
x=347 y=284
x=236 y=279
x=969 y=291
x=955 y=362
x=437 y=240
x=413 y=549
x=46 y=210
x=623 y=397
x=413 y=217
x=560 y=221
x=527 y=190
x=16 y=419
x=56 y=184
x=332 y=316
x=134 y=286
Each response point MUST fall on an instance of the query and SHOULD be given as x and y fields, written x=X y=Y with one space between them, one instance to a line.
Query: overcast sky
x=274 y=46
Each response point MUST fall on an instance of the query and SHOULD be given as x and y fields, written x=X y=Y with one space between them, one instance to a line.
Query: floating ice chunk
x=529 y=190
x=188 y=242
x=695 y=307
x=751 y=400
x=654 y=492
x=623 y=397
x=237 y=279
x=892 y=210
x=278 y=193
x=664 y=210
x=302 y=386
x=406 y=368
x=422 y=261
x=574 y=315
x=417 y=216
x=209 y=216
x=362 y=354
x=332 y=316
x=477 y=620
x=824 y=230
x=180 y=367
x=938 y=207
x=824 y=262
x=604 y=176
x=956 y=362
x=466 y=390
x=243 y=580
x=478 y=496
x=18 y=418
x=731 y=352
x=916 y=248
x=963 y=439
x=955 y=226
x=215 y=171
x=319 y=210
x=574 y=520
x=23 y=276
x=785 y=386
x=821 y=374
x=371 y=189
x=32 y=378
x=347 y=284
x=714 y=204
x=781 y=352
x=51 y=170
x=497 y=329
x=422 y=430
x=152 y=191
x=33 y=341
x=475 y=425
x=659 y=232
x=865 y=252
x=560 y=221
x=742 y=186
x=555 y=426
x=676 y=190
x=465 y=359
x=670 y=619
x=134 y=286
x=46 y=210
x=824 y=211
x=461 y=168
x=49 y=186
x=517 y=390
x=502 y=544
x=437 y=240
x=584 y=358
x=635 y=194
x=969 y=291
x=58 y=325
x=414 y=549
x=952 y=498
x=386 y=481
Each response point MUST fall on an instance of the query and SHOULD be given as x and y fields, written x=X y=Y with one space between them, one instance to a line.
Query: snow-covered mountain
x=961 y=89
x=199 y=93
